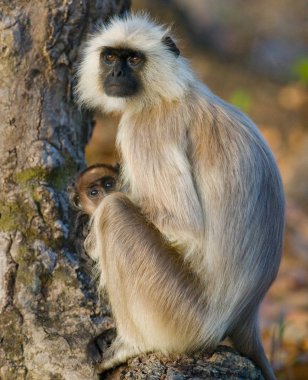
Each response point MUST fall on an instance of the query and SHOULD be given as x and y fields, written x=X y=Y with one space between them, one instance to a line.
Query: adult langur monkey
x=190 y=246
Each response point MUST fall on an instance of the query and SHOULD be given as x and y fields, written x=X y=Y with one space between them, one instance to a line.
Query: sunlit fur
x=191 y=263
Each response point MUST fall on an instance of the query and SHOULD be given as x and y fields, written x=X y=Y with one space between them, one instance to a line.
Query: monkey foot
x=100 y=344
x=118 y=353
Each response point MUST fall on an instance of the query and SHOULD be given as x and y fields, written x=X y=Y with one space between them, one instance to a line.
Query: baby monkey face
x=92 y=185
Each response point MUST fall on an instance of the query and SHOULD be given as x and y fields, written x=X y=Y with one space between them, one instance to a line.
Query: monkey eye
x=108 y=183
x=110 y=58
x=134 y=60
x=93 y=193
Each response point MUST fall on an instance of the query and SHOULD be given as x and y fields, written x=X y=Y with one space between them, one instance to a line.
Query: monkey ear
x=73 y=197
x=168 y=41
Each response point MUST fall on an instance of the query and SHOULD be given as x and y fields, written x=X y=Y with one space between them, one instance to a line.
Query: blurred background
x=254 y=54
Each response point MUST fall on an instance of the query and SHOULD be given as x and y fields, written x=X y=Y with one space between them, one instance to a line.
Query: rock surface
x=223 y=364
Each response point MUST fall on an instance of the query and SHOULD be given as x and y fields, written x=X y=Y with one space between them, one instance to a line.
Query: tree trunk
x=47 y=313
x=48 y=305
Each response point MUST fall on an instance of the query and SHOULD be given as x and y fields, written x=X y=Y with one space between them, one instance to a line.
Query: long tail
x=246 y=339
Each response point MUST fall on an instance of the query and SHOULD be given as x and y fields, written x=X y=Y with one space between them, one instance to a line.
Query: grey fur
x=189 y=251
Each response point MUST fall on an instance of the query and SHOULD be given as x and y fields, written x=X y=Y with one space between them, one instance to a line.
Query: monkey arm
x=168 y=196
x=158 y=172
x=188 y=222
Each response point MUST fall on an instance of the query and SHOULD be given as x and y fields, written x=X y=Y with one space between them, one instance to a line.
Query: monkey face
x=120 y=71
x=130 y=62
x=91 y=186
x=91 y=197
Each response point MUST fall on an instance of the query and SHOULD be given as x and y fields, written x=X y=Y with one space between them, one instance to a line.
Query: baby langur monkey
x=92 y=185
x=191 y=244
x=85 y=194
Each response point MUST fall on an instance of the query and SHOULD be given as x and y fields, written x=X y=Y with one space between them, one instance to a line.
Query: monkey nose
x=118 y=71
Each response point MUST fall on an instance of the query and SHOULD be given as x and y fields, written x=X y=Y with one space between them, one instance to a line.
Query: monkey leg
x=157 y=302
x=246 y=339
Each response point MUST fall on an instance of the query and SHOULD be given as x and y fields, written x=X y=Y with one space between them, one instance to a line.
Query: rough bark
x=47 y=312
x=48 y=305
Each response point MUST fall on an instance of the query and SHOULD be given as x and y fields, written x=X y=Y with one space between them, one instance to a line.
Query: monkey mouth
x=119 y=91
x=120 y=87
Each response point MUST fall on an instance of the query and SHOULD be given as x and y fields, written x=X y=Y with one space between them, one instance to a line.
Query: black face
x=106 y=183
x=121 y=71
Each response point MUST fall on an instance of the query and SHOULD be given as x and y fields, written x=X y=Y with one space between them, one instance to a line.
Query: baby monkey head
x=130 y=60
x=91 y=186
